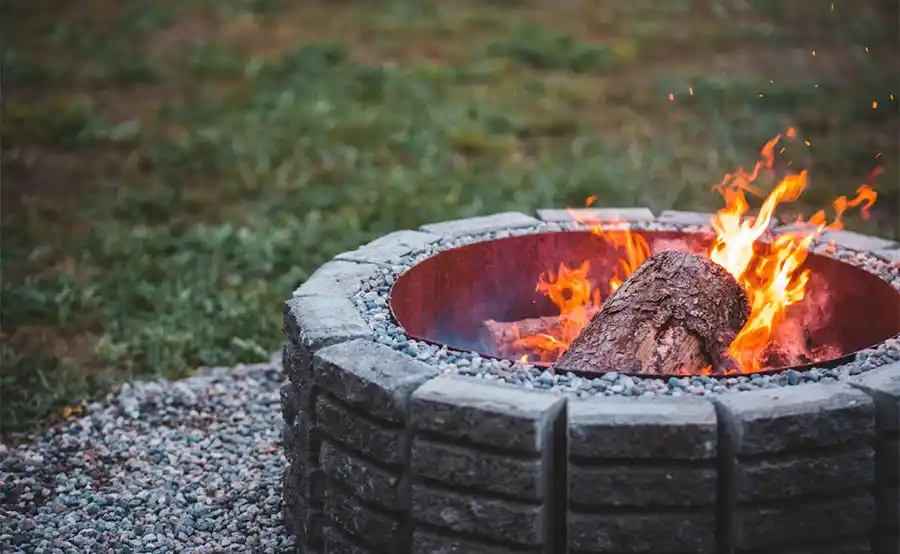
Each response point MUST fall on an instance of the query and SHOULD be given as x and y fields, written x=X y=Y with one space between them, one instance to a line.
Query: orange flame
x=572 y=292
x=771 y=271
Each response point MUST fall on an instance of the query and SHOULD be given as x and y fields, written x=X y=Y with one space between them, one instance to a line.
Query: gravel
x=371 y=300
x=192 y=466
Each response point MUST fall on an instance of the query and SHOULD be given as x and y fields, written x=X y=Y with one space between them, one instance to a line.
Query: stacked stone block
x=883 y=386
x=642 y=476
x=799 y=469
x=488 y=468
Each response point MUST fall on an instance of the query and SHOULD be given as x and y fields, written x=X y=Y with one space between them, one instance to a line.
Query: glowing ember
x=771 y=272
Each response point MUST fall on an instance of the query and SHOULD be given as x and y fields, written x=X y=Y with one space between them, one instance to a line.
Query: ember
x=771 y=272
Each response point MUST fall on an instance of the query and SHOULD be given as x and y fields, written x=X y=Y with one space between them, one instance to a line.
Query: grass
x=170 y=174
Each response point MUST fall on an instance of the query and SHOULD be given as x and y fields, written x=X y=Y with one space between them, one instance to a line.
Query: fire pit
x=406 y=433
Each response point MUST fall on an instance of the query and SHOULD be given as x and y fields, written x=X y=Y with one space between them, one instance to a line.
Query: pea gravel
x=371 y=301
x=191 y=466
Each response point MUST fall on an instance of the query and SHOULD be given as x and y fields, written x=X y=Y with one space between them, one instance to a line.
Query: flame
x=577 y=299
x=574 y=294
x=769 y=269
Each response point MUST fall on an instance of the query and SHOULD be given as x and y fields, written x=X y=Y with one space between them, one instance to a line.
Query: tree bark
x=678 y=312
x=499 y=337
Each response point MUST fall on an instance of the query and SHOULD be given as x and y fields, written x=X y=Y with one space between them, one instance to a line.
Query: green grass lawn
x=171 y=174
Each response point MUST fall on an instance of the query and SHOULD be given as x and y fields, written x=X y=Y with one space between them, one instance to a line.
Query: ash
x=192 y=466
x=371 y=300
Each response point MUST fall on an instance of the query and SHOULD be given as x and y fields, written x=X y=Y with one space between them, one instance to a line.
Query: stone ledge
x=387 y=248
x=370 y=376
x=677 y=217
x=481 y=224
x=771 y=421
x=314 y=322
x=892 y=256
x=336 y=278
x=595 y=215
x=628 y=428
x=498 y=416
x=857 y=241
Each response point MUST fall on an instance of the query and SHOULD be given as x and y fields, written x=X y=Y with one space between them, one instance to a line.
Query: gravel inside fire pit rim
x=371 y=299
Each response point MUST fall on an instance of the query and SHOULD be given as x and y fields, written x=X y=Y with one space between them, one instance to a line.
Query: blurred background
x=172 y=170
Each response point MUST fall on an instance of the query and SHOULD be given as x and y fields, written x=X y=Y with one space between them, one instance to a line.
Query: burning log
x=501 y=336
x=677 y=312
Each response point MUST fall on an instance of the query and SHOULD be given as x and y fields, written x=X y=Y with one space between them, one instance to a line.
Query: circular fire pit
x=415 y=443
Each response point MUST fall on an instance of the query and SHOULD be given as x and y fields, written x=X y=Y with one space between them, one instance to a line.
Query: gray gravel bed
x=192 y=466
x=371 y=300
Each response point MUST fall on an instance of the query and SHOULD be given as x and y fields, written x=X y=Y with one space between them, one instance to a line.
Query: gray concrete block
x=388 y=248
x=370 y=376
x=297 y=365
x=883 y=385
x=787 y=418
x=784 y=478
x=891 y=255
x=314 y=322
x=480 y=224
x=337 y=278
x=489 y=518
x=598 y=215
x=624 y=485
x=774 y=527
x=290 y=403
x=369 y=526
x=887 y=509
x=471 y=468
x=303 y=515
x=642 y=428
x=677 y=217
x=358 y=433
x=424 y=542
x=675 y=533
x=297 y=438
x=302 y=484
x=306 y=525
x=857 y=241
x=363 y=479
x=498 y=416
x=337 y=542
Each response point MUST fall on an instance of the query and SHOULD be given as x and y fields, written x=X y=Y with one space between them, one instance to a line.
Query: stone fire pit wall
x=386 y=456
